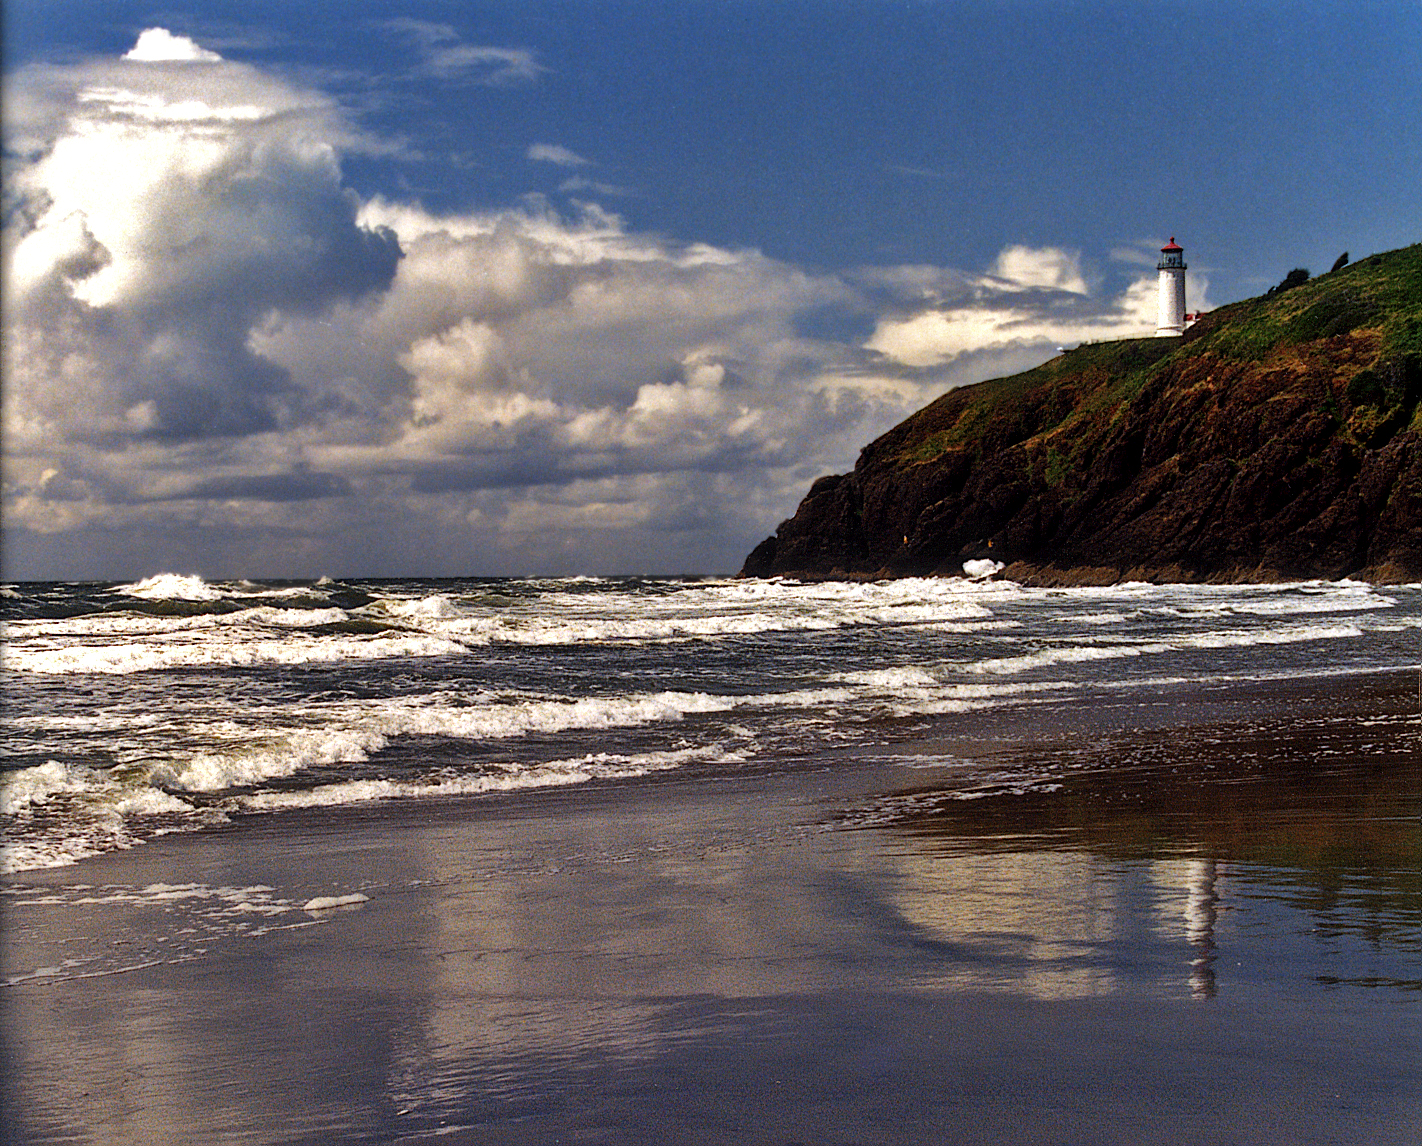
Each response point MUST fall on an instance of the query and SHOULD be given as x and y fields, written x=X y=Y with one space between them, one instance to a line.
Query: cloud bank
x=219 y=359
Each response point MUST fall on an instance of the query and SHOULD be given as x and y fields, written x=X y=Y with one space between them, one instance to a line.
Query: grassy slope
x=1364 y=316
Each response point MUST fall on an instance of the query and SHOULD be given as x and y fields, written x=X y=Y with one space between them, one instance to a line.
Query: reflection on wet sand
x=1240 y=826
x=1061 y=924
x=1200 y=915
x=1033 y=923
x=783 y=953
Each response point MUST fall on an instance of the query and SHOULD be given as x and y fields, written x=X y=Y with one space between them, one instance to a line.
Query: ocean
x=698 y=860
x=174 y=703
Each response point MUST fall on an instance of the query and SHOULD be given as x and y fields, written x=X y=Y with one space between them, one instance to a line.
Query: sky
x=583 y=287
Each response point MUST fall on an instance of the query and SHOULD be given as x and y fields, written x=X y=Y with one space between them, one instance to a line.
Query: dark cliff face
x=1280 y=438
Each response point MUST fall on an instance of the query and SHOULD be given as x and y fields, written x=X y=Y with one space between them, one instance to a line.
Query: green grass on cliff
x=1382 y=292
x=1374 y=305
x=1072 y=386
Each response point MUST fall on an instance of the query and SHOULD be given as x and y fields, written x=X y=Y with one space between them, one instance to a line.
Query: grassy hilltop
x=1281 y=437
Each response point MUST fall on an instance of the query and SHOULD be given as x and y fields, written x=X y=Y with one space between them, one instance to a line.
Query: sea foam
x=455 y=689
x=155 y=656
x=171 y=587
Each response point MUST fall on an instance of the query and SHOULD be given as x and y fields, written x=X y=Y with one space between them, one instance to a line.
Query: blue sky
x=600 y=287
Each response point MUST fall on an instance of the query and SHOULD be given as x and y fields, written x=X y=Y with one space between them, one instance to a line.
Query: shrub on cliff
x=1296 y=277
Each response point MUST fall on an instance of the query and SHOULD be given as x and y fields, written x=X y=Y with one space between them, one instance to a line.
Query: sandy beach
x=1210 y=931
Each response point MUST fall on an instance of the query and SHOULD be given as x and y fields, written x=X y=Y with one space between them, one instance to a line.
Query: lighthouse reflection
x=1201 y=913
x=1294 y=850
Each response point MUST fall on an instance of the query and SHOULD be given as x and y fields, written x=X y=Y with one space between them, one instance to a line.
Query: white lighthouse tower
x=1171 y=318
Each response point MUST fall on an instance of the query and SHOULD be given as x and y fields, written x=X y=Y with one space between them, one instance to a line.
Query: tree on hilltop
x=1296 y=277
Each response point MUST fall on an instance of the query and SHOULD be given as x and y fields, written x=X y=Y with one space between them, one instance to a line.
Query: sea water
x=176 y=704
x=649 y=860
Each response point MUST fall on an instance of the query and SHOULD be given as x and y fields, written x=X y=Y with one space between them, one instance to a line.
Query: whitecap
x=27 y=788
x=301 y=749
x=171 y=587
x=1238 y=638
x=1069 y=654
x=133 y=657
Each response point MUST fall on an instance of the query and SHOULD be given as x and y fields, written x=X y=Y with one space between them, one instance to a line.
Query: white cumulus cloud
x=164 y=217
x=1048 y=267
x=156 y=44
x=217 y=356
x=1031 y=298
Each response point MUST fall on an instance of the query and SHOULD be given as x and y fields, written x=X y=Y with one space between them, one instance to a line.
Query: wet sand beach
x=1204 y=925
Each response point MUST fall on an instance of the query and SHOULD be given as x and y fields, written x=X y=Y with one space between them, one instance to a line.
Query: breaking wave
x=174 y=703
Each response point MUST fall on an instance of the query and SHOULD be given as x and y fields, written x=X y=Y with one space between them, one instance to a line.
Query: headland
x=1279 y=438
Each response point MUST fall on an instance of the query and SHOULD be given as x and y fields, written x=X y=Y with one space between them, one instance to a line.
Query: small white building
x=1171 y=315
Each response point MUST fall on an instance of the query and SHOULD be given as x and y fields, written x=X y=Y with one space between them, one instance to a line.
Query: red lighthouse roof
x=1172 y=245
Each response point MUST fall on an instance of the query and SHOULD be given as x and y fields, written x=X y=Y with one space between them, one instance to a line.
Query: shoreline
x=1047 y=721
x=813 y=952
x=1036 y=575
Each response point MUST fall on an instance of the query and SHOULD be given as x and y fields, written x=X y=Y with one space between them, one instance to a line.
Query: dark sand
x=1210 y=932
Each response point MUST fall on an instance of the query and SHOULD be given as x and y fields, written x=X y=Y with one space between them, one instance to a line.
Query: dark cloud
x=298 y=486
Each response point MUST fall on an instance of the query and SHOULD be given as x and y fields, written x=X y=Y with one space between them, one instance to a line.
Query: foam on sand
x=506 y=778
x=177 y=922
x=332 y=902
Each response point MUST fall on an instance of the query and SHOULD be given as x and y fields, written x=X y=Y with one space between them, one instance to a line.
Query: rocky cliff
x=1281 y=437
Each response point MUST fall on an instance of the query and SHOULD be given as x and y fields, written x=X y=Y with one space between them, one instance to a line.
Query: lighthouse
x=1171 y=318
